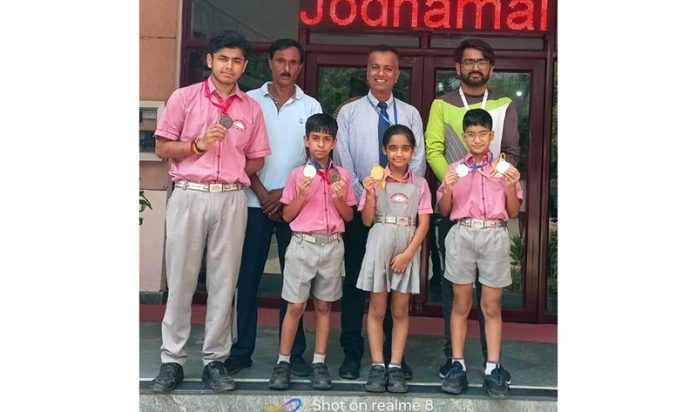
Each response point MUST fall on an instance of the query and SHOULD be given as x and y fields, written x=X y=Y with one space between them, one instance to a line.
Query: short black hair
x=383 y=48
x=229 y=39
x=477 y=44
x=398 y=129
x=477 y=117
x=322 y=123
x=282 y=44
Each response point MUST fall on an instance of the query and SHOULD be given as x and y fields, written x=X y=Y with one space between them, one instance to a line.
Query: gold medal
x=377 y=172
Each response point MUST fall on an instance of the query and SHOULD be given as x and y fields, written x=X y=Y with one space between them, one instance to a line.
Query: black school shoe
x=320 y=377
x=397 y=381
x=235 y=364
x=215 y=375
x=280 y=379
x=170 y=376
x=377 y=379
x=408 y=372
x=503 y=371
x=350 y=368
x=494 y=384
x=446 y=367
x=298 y=366
x=455 y=381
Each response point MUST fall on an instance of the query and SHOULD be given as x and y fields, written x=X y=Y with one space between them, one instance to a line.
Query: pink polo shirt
x=478 y=196
x=318 y=214
x=189 y=113
x=424 y=206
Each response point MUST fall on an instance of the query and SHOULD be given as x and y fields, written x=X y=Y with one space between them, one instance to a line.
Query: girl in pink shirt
x=398 y=204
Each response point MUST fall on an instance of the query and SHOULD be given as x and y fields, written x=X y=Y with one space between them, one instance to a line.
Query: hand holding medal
x=377 y=173
x=501 y=165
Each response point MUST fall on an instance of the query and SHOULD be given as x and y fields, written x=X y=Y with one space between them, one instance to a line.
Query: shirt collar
x=374 y=100
x=299 y=93
x=235 y=92
x=469 y=159
x=407 y=177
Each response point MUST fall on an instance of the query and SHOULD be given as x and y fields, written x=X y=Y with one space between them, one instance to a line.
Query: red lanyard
x=224 y=107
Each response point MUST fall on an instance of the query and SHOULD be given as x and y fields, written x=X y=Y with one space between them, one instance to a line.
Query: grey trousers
x=192 y=218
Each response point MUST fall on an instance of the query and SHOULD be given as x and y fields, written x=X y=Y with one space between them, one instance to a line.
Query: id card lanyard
x=379 y=113
x=466 y=104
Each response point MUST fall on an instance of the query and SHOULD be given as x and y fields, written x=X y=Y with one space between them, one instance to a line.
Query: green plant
x=144 y=202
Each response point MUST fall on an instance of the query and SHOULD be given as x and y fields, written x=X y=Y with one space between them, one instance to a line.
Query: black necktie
x=381 y=127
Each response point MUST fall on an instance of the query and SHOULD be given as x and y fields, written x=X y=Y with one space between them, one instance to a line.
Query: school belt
x=482 y=223
x=317 y=239
x=208 y=187
x=396 y=220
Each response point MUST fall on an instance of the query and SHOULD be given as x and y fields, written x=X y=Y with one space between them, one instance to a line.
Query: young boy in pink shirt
x=318 y=197
x=481 y=194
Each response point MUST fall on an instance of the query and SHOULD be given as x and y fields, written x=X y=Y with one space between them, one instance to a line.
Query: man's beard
x=474 y=83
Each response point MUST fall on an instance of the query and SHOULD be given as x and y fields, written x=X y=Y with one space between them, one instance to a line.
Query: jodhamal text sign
x=441 y=15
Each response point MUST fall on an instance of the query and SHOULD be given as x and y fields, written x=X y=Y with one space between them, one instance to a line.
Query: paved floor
x=532 y=364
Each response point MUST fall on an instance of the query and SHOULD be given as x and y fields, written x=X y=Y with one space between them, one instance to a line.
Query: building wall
x=160 y=34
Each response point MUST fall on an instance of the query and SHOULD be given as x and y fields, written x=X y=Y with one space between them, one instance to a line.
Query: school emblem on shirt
x=399 y=198
x=301 y=120
x=238 y=124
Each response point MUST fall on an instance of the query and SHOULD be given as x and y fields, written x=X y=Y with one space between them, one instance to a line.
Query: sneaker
x=320 y=377
x=494 y=384
x=408 y=372
x=350 y=368
x=216 y=376
x=446 y=367
x=298 y=366
x=397 y=380
x=280 y=379
x=170 y=376
x=235 y=364
x=455 y=381
x=503 y=371
x=377 y=379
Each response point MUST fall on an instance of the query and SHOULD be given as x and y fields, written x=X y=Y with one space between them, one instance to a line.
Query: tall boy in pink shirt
x=317 y=198
x=481 y=194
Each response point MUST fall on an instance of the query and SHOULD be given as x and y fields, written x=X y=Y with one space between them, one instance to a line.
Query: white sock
x=490 y=366
x=378 y=364
x=319 y=357
x=461 y=361
x=283 y=358
x=394 y=365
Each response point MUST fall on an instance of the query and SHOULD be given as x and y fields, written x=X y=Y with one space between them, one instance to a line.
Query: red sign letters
x=471 y=15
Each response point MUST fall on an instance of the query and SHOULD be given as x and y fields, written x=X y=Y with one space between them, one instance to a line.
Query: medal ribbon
x=224 y=107
x=323 y=172
x=478 y=167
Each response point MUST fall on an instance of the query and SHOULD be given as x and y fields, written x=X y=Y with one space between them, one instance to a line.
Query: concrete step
x=254 y=395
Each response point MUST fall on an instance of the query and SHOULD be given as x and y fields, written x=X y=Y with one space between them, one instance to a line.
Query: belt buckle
x=403 y=221
x=215 y=187
x=310 y=238
x=477 y=224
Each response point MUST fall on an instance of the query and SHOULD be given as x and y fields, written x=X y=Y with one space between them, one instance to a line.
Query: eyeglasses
x=483 y=135
x=482 y=63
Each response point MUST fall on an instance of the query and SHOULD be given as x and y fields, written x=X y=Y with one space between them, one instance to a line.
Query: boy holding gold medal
x=480 y=194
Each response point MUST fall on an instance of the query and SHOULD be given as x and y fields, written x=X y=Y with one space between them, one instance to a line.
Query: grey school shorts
x=467 y=248
x=313 y=266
